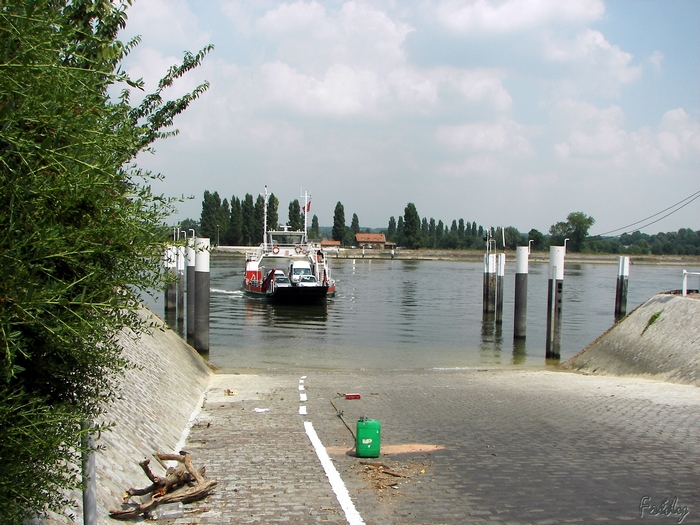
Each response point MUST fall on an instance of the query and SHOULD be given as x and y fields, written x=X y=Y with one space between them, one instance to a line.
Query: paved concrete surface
x=520 y=447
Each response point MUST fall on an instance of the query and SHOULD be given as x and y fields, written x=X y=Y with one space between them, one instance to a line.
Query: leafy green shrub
x=80 y=233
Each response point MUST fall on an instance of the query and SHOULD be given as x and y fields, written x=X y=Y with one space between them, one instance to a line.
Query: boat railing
x=251 y=256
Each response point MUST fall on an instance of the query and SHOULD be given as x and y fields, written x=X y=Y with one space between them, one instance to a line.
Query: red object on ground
x=352 y=396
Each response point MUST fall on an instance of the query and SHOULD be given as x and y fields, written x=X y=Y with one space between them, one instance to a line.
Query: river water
x=410 y=314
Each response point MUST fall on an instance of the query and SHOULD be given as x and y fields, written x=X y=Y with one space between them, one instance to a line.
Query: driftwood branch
x=168 y=489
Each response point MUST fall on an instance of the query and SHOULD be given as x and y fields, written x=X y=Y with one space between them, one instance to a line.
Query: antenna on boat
x=265 y=220
x=307 y=207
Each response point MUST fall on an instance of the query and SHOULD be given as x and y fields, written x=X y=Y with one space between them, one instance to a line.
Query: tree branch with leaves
x=81 y=233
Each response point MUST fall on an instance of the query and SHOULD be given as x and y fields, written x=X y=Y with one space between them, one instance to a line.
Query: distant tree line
x=683 y=242
x=240 y=222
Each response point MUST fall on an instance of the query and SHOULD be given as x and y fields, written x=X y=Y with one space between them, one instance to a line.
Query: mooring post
x=492 y=282
x=170 y=260
x=623 y=273
x=189 y=255
x=500 y=277
x=89 y=481
x=485 y=289
x=554 y=301
x=520 y=311
x=201 y=295
x=180 y=287
x=489 y=282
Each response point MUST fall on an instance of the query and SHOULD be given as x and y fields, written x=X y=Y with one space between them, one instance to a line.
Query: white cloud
x=311 y=38
x=515 y=15
x=679 y=135
x=589 y=131
x=168 y=23
x=592 y=134
x=597 y=65
x=656 y=59
x=342 y=90
x=505 y=137
x=412 y=86
x=480 y=85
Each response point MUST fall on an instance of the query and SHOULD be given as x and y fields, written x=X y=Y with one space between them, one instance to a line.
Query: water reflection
x=519 y=352
x=283 y=315
x=491 y=338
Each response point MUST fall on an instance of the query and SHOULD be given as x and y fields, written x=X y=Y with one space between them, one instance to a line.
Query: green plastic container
x=368 y=438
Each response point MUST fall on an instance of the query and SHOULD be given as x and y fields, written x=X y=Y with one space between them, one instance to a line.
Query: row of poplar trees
x=239 y=222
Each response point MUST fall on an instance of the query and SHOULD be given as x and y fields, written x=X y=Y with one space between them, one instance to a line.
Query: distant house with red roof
x=370 y=240
x=326 y=244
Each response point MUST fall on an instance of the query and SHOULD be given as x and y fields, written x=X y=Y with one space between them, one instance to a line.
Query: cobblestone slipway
x=519 y=447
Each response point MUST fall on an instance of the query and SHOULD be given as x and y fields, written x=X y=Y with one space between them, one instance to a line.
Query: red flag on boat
x=308 y=207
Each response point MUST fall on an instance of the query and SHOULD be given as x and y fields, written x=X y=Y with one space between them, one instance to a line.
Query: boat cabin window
x=286 y=238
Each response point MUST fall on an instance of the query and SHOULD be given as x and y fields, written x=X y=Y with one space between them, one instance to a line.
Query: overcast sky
x=503 y=112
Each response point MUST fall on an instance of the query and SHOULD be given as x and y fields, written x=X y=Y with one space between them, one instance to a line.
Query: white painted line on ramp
x=337 y=484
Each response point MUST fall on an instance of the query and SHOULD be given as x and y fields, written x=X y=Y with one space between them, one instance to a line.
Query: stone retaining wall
x=158 y=400
x=660 y=339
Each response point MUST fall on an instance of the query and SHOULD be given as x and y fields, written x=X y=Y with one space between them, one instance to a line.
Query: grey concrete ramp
x=659 y=340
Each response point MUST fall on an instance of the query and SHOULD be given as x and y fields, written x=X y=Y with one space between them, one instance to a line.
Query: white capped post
x=190 y=257
x=520 y=309
x=623 y=274
x=201 y=294
x=554 y=301
x=170 y=262
x=500 y=277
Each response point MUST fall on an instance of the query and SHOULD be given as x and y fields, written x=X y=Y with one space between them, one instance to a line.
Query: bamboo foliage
x=81 y=233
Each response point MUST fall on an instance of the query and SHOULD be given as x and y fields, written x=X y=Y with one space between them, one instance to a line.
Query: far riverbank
x=477 y=255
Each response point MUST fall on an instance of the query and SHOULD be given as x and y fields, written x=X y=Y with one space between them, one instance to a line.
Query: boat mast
x=306 y=213
x=265 y=220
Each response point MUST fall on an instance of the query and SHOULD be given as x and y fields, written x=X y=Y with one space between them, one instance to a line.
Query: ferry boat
x=287 y=268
